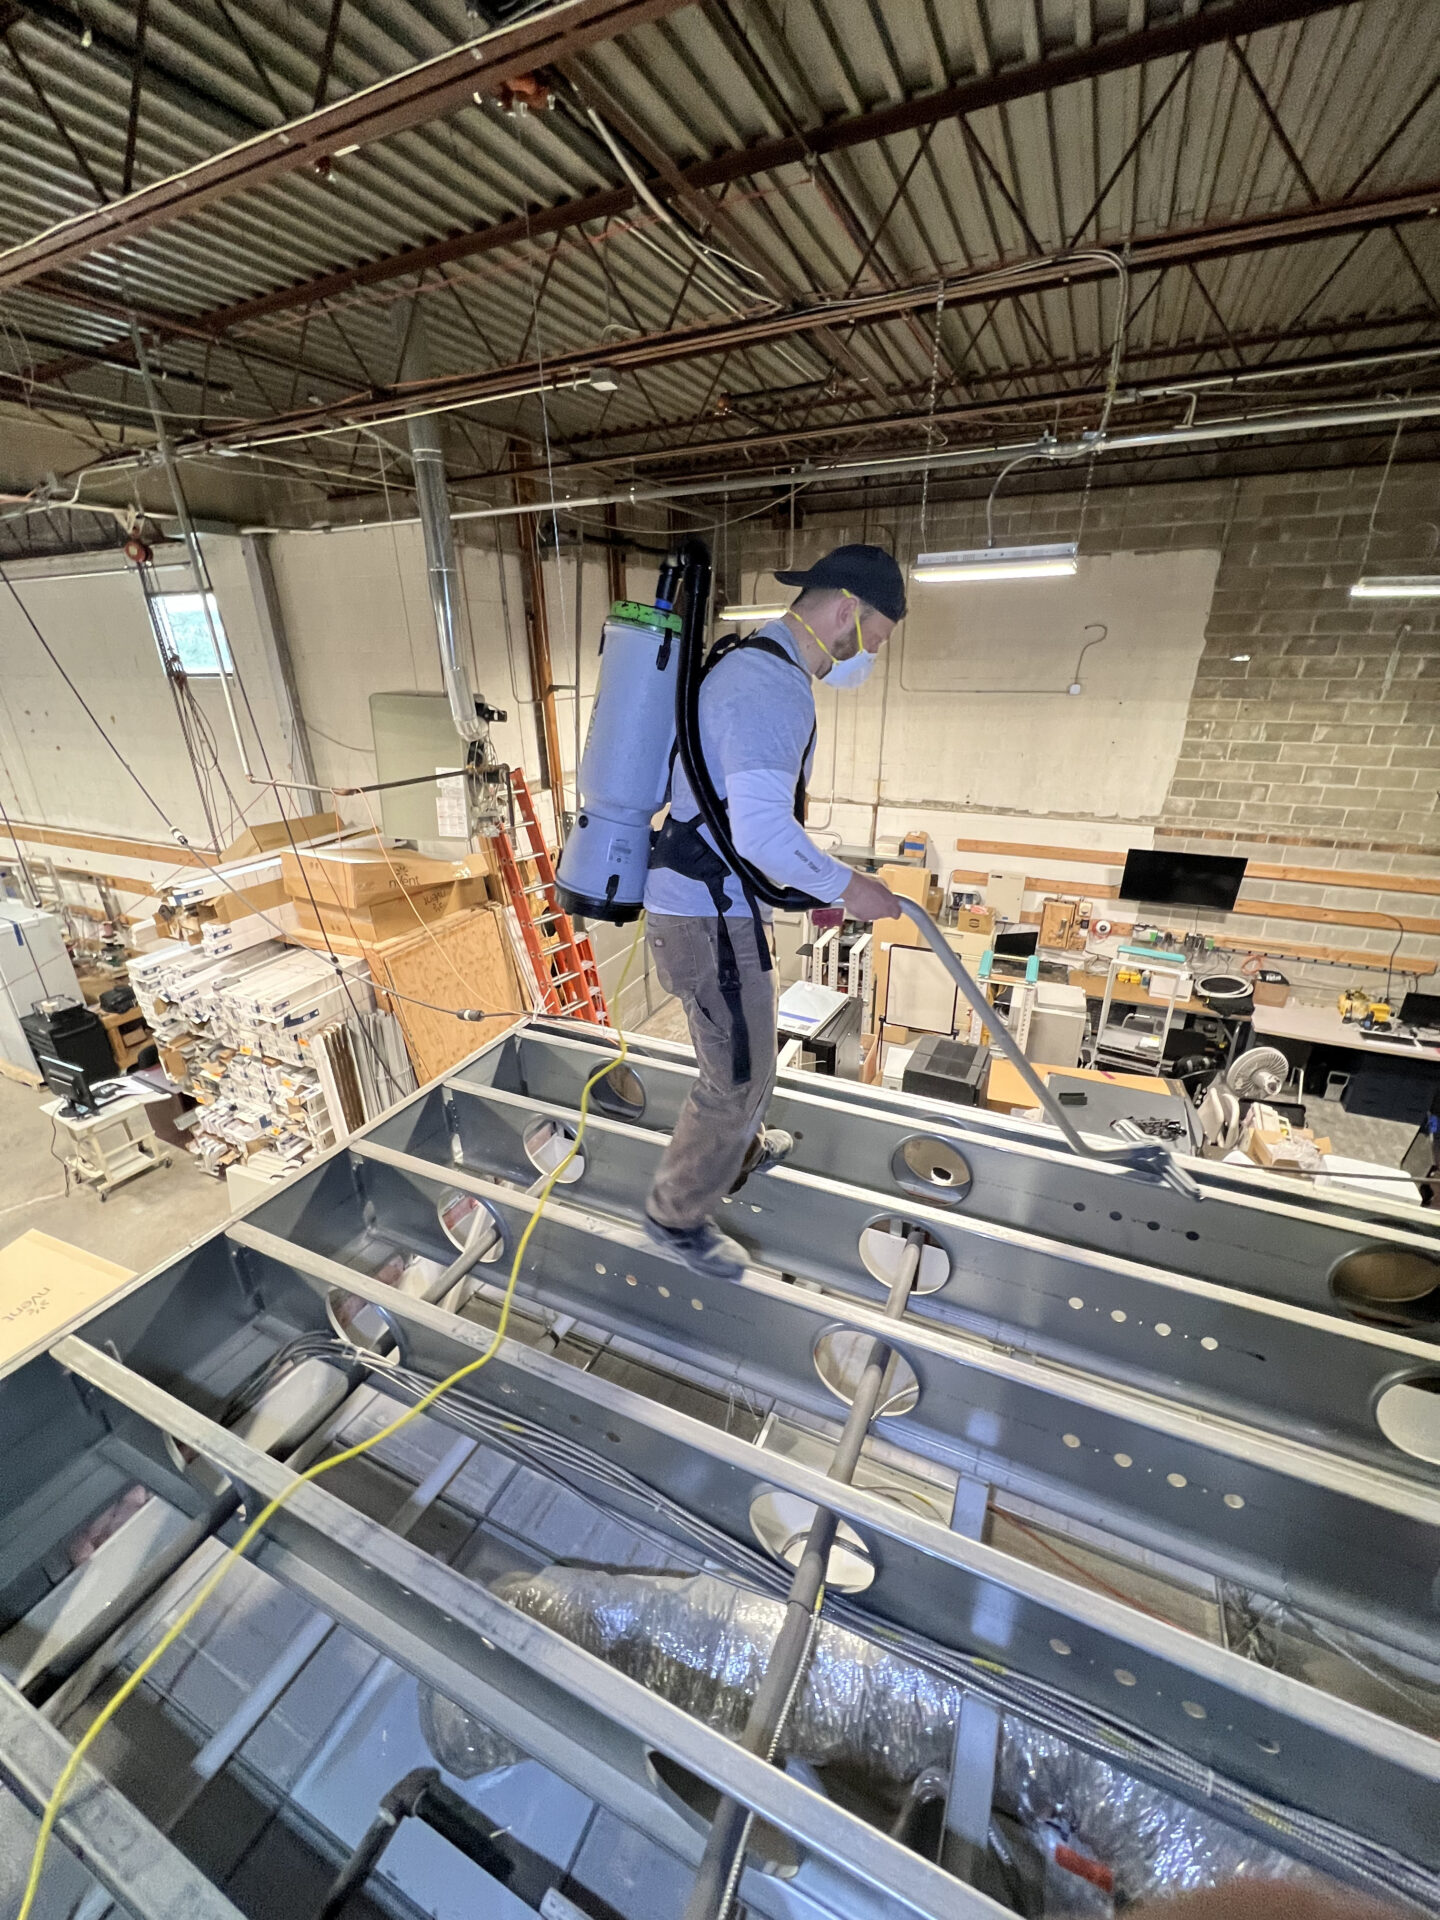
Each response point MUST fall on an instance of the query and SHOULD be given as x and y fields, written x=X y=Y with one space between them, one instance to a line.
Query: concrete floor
x=138 y=1225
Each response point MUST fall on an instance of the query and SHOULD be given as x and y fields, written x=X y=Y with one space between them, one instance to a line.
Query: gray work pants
x=721 y=1118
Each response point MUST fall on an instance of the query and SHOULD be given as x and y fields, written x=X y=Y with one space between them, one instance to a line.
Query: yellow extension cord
x=266 y=1514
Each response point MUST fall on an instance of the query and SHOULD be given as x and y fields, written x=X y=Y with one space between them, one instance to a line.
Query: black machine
x=1181 y=879
x=75 y=1034
x=72 y=1085
x=946 y=1069
x=1420 y=1010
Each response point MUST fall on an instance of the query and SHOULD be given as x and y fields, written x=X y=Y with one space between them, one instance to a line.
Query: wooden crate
x=463 y=961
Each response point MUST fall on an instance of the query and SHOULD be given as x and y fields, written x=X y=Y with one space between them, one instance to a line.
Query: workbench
x=1324 y=1027
x=1379 y=1086
x=1092 y=985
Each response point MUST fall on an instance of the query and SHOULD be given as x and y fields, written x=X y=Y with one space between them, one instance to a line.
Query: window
x=185 y=632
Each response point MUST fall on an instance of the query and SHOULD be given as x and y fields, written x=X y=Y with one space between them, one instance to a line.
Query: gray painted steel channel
x=1313 y=1376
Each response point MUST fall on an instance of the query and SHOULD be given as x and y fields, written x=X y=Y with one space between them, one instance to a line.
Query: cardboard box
x=358 y=876
x=1272 y=989
x=1284 y=1149
x=894 y=1036
x=917 y=849
x=393 y=919
x=975 y=920
x=272 y=835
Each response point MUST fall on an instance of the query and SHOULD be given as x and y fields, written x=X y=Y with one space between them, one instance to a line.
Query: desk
x=1386 y=1082
x=111 y=1146
x=1323 y=1027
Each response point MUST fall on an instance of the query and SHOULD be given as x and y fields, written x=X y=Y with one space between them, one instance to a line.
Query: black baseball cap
x=870 y=573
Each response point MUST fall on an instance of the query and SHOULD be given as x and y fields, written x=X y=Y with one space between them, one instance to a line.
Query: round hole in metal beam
x=1408 y=1414
x=467 y=1221
x=773 y=1851
x=621 y=1094
x=547 y=1142
x=840 y=1356
x=363 y=1325
x=882 y=1245
x=931 y=1169
x=781 y=1523
x=1395 y=1285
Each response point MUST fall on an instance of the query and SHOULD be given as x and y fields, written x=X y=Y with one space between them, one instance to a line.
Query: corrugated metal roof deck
x=1018 y=180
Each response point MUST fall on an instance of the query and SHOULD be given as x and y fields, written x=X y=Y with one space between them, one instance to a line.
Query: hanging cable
x=212 y=866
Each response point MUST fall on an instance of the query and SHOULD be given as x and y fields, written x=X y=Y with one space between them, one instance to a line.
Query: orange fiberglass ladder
x=562 y=961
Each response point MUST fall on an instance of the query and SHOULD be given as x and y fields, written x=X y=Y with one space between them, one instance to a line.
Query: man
x=757 y=732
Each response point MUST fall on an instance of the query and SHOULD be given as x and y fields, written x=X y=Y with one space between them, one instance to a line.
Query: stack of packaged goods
x=238 y=1034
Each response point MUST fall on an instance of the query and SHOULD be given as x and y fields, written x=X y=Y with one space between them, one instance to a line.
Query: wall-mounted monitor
x=1165 y=879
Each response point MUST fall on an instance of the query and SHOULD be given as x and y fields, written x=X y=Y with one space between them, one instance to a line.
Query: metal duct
x=432 y=497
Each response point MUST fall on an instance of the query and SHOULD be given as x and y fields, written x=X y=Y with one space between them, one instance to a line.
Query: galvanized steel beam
x=1282 y=1514
x=1336 y=1760
x=1284 y=1365
x=148 y=1876
x=588 y=1723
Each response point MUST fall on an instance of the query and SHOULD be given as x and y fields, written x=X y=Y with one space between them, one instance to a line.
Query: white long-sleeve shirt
x=757 y=724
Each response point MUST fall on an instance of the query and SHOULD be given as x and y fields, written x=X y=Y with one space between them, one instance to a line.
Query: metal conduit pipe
x=898 y=466
x=719 y=1871
x=432 y=498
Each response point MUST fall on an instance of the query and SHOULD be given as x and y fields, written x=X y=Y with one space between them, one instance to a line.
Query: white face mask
x=853 y=672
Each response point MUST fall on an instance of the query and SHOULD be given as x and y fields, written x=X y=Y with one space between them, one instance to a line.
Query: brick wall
x=1321 y=748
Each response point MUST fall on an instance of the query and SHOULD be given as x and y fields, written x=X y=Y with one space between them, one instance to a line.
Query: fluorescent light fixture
x=998 y=563
x=1239 y=656
x=604 y=379
x=1397 y=586
x=744 y=611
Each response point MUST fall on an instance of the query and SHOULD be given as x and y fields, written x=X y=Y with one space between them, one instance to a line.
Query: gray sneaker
x=769 y=1147
x=704 y=1249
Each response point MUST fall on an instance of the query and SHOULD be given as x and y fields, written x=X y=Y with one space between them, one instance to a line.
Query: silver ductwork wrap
x=1152 y=1843
x=703 y=1643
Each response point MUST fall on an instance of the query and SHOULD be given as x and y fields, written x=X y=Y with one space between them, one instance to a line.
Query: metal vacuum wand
x=1147 y=1157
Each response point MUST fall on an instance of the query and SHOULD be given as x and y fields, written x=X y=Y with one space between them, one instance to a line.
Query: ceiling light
x=742 y=610
x=1239 y=656
x=1397 y=586
x=604 y=379
x=998 y=563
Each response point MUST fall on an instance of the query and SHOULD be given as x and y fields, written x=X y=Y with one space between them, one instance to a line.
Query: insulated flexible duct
x=880 y=1719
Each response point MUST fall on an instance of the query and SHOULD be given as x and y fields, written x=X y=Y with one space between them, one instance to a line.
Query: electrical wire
x=267 y=1513
x=213 y=867
x=1092 y=1729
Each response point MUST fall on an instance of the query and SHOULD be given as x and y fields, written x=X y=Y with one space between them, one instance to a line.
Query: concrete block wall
x=1320 y=749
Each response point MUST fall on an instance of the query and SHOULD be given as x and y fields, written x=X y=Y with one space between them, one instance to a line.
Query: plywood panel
x=460 y=962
